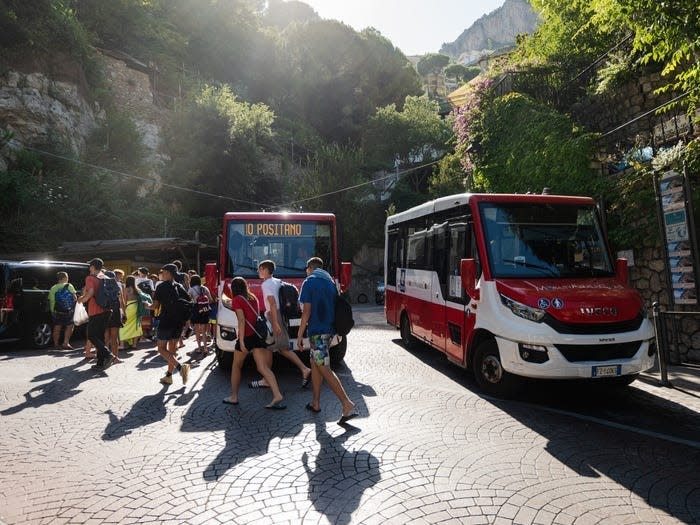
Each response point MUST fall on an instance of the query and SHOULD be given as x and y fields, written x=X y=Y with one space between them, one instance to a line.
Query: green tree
x=432 y=63
x=523 y=145
x=665 y=33
x=221 y=154
x=414 y=135
x=462 y=73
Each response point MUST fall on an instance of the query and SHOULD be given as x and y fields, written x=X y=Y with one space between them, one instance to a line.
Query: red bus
x=288 y=239
x=515 y=285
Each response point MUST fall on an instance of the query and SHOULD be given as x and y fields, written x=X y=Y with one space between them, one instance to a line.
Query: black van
x=24 y=298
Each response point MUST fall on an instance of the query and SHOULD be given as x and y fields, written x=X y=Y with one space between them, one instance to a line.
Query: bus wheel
x=225 y=359
x=406 y=336
x=338 y=351
x=489 y=373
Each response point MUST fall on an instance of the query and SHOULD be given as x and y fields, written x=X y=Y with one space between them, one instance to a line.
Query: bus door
x=459 y=321
x=438 y=292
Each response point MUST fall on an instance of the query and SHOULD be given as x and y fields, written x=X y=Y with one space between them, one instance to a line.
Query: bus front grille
x=601 y=352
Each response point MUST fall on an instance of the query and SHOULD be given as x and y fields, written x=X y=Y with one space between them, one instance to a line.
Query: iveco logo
x=610 y=311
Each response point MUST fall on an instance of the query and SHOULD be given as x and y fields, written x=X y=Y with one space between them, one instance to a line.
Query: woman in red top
x=245 y=305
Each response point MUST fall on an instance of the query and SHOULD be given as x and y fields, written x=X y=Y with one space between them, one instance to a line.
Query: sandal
x=305 y=380
x=257 y=384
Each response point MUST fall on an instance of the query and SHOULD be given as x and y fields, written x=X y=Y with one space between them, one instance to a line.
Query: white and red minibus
x=288 y=239
x=515 y=285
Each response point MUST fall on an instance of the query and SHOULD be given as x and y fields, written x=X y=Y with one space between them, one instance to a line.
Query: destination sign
x=267 y=229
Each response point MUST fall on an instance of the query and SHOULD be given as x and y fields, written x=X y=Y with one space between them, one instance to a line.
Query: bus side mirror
x=621 y=271
x=345 y=275
x=467 y=269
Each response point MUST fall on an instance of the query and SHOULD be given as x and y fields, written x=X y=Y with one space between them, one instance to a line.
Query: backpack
x=343 y=322
x=65 y=302
x=288 y=301
x=182 y=304
x=107 y=295
x=203 y=306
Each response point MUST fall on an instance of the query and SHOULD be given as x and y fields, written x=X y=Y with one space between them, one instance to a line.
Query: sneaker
x=185 y=373
x=166 y=380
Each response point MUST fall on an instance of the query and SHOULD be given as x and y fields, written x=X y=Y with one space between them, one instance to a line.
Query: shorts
x=168 y=332
x=114 y=320
x=320 y=349
x=251 y=342
x=198 y=318
x=62 y=318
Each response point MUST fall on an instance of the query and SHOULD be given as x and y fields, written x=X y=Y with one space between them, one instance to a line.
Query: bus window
x=393 y=257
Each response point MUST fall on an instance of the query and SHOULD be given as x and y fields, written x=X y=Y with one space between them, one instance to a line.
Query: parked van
x=24 y=298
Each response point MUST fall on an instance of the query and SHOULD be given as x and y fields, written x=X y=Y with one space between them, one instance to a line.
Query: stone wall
x=648 y=275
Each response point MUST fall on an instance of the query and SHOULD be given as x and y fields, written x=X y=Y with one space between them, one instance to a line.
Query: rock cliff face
x=40 y=106
x=39 y=110
x=493 y=31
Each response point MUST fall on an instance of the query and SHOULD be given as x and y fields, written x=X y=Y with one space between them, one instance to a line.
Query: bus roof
x=464 y=199
x=280 y=215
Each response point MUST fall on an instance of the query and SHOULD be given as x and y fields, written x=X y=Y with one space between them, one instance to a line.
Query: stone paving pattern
x=78 y=446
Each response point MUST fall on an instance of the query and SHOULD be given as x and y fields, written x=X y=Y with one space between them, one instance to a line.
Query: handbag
x=80 y=315
x=261 y=327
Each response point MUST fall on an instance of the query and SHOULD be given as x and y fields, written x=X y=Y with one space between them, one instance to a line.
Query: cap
x=169 y=268
x=143 y=269
x=97 y=263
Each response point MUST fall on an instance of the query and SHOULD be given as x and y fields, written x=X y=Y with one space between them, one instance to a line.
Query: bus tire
x=225 y=360
x=489 y=373
x=406 y=337
x=337 y=352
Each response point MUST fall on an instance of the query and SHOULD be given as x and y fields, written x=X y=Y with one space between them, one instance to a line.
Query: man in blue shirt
x=318 y=314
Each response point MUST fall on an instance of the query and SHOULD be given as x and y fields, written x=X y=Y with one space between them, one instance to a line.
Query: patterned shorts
x=320 y=349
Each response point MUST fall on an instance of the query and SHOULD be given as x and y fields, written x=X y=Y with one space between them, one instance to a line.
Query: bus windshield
x=288 y=244
x=544 y=240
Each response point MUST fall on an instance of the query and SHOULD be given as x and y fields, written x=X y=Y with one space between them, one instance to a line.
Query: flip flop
x=305 y=381
x=276 y=406
x=257 y=384
x=310 y=407
x=227 y=401
x=347 y=418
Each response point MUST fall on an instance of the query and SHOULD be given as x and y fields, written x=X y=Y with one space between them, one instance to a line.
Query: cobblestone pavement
x=77 y=446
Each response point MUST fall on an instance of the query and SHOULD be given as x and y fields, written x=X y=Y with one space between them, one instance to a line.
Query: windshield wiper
x=544 y=269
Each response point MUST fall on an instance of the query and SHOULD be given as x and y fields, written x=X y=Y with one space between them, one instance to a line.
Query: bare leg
x=263 y=360
x=68 y=335
x=238 y=360
x=336 y=387
x=56 y=335
x=316 y=384
x=165 y=353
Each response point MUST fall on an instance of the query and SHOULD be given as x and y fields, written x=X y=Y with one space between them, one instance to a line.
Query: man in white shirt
x=270 y=290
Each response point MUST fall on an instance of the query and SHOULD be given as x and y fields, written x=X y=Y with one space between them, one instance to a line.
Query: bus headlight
x=522 y=310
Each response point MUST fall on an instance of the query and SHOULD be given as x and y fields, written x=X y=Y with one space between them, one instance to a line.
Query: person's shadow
x=147 y=410
x=65 y=384
x=334 y=466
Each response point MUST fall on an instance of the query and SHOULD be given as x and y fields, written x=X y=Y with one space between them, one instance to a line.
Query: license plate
x=606 y=371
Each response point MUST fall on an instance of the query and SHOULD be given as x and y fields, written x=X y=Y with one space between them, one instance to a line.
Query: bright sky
x=416 y=27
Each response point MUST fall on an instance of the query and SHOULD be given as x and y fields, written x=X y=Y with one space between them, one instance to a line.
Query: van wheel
x=489 y=373
x=406 y=336
x=40 y=334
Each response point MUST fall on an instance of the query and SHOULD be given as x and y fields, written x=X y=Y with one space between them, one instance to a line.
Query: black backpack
x=343 y=322
x=288 y=300
x=182 y=304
